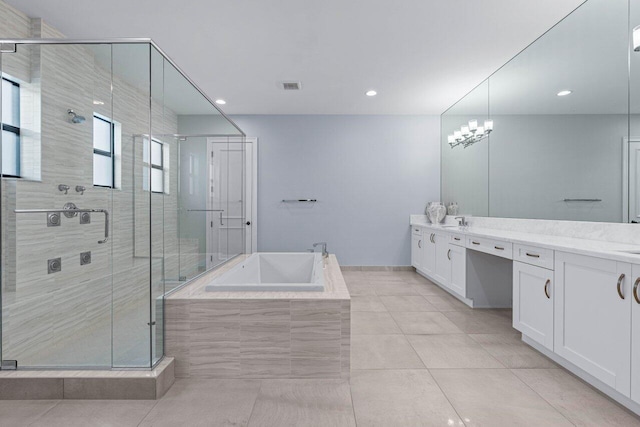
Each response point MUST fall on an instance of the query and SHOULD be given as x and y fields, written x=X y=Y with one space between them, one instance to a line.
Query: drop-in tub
x=275 y=272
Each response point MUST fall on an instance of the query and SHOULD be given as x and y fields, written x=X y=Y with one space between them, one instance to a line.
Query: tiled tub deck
x=260 y=334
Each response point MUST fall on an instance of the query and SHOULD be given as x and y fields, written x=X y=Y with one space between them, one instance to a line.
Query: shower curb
x=88 y=384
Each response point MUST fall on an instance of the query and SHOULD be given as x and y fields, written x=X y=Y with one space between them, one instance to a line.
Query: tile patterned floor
x=419 y=358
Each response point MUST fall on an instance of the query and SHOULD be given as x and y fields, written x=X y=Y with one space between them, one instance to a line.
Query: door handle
x=449 y=254
x=475 y=243
x=499 y=248
x=546 y=288
x=420 y=244
x=533 y=255
x=620 y=279
x=635 y=290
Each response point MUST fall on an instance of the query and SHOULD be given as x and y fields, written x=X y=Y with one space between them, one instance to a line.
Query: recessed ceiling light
x=371 y=93
x=220 y=101
x=564 y=92
x=98 y=102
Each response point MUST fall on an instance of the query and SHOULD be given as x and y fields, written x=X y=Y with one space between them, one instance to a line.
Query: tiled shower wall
x=42 y=311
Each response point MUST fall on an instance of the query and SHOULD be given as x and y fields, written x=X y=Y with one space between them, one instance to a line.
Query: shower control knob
x=85 y=258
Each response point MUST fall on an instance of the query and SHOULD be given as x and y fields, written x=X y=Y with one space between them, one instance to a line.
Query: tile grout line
x=152 y=407
x=48 y=410
x=542 y=397
x=253 y=407
x=446 y=397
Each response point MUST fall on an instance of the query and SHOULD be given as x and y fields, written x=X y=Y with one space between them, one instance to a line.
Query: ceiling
x=420 y=55
x=586 y=53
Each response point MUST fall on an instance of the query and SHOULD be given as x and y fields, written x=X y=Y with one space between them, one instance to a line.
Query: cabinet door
x=458 y=263
x=592 y=317
x=533 y=302
x=635 y=340
x=428 y=253
x=443 y=264
x=416 y=250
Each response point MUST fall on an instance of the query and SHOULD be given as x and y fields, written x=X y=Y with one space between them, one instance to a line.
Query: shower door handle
x=104 y=211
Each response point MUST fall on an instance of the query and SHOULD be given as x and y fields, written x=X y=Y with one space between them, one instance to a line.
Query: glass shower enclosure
x=108 y=200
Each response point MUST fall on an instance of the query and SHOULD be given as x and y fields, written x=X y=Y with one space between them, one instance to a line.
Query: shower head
x=75 y=118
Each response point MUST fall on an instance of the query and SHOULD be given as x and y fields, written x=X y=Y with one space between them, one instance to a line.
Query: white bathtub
x=275 y=272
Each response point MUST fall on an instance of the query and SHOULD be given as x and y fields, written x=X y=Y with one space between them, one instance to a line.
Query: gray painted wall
x=369 y=173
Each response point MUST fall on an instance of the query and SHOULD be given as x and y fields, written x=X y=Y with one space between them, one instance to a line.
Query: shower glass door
x=57 y=160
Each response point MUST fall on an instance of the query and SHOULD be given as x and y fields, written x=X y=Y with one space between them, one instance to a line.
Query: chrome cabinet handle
x=432 y=237
x=635 y=290
x=449 y=254
x=499 y=248
x=420 y=244
x=533 y=255
x=475 y=243
x=620 y=279
x=456 y=238
x=546 y=288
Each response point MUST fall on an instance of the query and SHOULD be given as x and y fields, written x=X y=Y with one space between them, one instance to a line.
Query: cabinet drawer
x=492 y=247
x=457 y=239
x=533 y=255
x=416 y=231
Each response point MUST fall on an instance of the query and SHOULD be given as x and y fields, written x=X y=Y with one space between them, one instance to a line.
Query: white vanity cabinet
x=592 y=317
x=442 y=271
x=635 y=334
x=458 y=269
x=417 y=245
x=429 y=253
x=533 y=302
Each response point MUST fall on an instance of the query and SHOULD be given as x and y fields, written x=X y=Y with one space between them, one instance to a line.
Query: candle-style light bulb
x=457 y=135
x=465 y=130
x=488 y=125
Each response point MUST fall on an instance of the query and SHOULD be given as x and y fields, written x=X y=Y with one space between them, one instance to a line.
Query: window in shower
x=106 y=152
x=10 y=128
x=159 y=166
x=103 y=152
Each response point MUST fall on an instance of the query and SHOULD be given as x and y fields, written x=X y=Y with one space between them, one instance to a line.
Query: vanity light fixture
x=371 y=93
x=564 y=92
x=220 y=101
x=470 y=134
x=636 y=39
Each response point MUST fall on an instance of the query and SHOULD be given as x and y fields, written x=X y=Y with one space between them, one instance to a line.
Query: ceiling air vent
x=291 y=85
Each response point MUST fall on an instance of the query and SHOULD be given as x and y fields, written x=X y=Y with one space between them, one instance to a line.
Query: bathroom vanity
x=575 y=300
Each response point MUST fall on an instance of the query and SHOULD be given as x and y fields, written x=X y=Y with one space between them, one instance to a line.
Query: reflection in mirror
x=465 y=169
x=558 y=154
x=631 y=150
x=560 y=149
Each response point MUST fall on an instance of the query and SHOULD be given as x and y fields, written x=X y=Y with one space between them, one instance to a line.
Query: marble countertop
x=334 y=286
x=597 y=248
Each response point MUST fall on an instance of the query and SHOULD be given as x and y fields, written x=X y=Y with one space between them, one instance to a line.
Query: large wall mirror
x=565 y=126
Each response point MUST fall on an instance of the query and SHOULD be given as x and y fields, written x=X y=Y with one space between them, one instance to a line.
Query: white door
x=458 y=259
x=231 y=216
x=592 y=317
x=533 y=302
x=443 y=264
x=428 y=253
x=635 y=330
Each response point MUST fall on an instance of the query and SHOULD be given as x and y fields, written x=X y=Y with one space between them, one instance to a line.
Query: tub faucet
x=325 y=254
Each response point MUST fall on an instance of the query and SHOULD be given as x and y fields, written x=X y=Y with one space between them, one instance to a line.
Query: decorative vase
x=436 y=212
